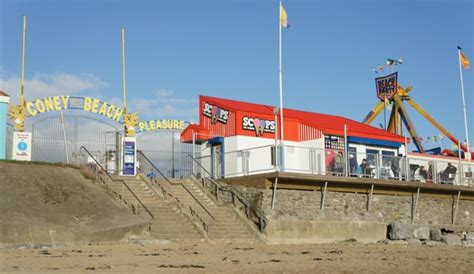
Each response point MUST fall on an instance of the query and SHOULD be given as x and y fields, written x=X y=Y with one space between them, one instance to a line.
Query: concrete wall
x=298 y=217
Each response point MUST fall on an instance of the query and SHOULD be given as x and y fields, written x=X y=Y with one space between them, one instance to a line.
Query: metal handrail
x=236 y=193
x=119 y=180
x=193 y=212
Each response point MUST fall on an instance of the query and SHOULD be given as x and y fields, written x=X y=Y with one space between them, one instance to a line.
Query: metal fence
x=327 y=162
x=165 y=151
x=58 y=137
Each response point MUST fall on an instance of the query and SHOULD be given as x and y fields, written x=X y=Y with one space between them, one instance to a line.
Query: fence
x=58 y=137
x=327 y=162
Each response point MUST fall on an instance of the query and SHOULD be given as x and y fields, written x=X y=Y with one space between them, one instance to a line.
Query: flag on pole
x=464 y=61
x=283 y=17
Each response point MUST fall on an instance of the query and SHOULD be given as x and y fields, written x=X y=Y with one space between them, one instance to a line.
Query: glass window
x=372 y=156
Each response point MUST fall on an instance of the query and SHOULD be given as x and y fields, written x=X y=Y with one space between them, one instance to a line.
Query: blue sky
x=179 y=49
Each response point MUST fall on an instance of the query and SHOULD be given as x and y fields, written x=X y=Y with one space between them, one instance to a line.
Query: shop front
x=238 y=138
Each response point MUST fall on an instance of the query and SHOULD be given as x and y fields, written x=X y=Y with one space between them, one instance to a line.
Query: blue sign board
x=129 y=158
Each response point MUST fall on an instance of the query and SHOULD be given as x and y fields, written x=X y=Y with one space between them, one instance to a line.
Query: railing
x=378 y=163
x=107 y=180
x=145 y=162
x=254 y=215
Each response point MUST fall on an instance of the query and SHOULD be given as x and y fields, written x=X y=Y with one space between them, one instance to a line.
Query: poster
x=129 y=156
x=21 y=146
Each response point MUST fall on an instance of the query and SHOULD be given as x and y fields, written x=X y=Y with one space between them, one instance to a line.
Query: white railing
x=327 y=162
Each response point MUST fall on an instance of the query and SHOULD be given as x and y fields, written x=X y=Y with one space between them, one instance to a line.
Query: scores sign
x=216 y=114
x=258 y=125
x=386 y=86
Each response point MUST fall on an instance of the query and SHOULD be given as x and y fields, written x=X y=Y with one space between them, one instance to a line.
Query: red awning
x=201 y=134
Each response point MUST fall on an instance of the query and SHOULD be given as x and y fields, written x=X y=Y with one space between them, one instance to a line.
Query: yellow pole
x=22 y=99
x=124 y=82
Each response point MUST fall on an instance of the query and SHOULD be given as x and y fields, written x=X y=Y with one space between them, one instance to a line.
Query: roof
x=2 y=93
x=328 y=124
x=200 y=132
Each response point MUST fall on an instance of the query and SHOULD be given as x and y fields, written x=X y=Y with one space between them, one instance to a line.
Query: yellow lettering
x=147 y=126
x=175 y=124
x=65 y=100
x=40 y=106
x=181 y=124
x=118 y=114
x=103 y=109
x=57 y=103
x=49 y=104
x=87 y=104
x=32 y=112
x=95 y=105
x=158 y=124
x=152 y=125
x=110 y=111
x=141 y=125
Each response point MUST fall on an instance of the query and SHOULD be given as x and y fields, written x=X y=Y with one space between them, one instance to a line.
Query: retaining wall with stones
x=299 y=216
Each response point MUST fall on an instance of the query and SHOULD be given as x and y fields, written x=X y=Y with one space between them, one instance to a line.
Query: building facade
x=239 y=138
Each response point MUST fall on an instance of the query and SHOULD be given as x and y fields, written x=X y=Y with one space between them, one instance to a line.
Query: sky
x=177 y=50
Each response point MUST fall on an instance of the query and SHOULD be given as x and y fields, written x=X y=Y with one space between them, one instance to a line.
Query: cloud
x=160 y=104
x=164 y=104
x=43 y=85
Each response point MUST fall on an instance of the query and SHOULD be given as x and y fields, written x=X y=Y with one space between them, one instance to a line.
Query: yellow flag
x=387 y=102
x=283 y=17
x=464 y=61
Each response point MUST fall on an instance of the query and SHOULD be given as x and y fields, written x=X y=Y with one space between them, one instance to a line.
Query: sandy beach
x=229 y=257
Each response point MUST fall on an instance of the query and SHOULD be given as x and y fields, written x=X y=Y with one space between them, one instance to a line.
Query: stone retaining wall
x=343 y=210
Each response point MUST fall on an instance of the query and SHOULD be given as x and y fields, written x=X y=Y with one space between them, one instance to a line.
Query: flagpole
x=280 y=76
x=22 y=85
x=124 y=83
x=464 y=104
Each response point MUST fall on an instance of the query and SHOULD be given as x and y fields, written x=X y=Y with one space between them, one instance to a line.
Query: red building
x=239 y=138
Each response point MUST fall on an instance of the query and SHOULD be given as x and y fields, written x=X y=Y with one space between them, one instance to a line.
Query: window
x=372 y=155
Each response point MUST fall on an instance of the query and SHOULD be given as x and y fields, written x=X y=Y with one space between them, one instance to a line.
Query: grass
x=87 y=173
x=39 y=163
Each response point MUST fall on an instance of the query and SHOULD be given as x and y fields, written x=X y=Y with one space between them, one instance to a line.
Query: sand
x=224 y=257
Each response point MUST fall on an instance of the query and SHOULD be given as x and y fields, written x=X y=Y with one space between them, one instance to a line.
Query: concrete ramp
x=49 y=204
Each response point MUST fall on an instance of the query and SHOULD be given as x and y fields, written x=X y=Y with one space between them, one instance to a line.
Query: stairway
x=168 y=223
x=224 y=222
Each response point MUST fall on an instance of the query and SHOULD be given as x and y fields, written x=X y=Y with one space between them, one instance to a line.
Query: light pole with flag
x=464 y=62
x=283 y=23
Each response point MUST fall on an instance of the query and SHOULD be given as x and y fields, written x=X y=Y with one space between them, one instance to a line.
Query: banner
x=21 y=146
x=386 y=86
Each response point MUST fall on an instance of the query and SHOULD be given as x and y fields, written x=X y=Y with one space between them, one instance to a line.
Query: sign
x=386 y=86
x=21 y=146
x=161 y=124
x=258 y=125
x=216 y=114
x=87 y=104
x=129 y=156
